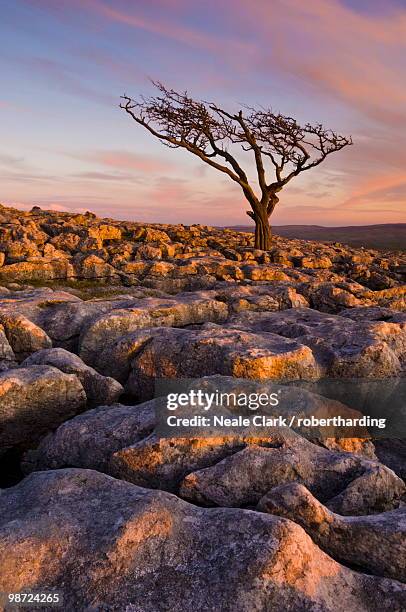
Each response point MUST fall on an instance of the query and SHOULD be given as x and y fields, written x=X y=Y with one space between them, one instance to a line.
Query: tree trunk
x=263 y=234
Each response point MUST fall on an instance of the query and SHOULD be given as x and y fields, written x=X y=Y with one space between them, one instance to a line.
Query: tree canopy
x=282 y=148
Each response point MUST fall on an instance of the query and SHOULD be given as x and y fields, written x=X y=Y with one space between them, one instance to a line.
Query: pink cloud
x=355 y=57
x=169 y=29
x=329 y=51
x=377 y=188
x=131 y=161
x=332 y=18
x=119 y=160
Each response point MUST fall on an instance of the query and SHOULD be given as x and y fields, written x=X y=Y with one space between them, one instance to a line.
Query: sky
x=66 y=145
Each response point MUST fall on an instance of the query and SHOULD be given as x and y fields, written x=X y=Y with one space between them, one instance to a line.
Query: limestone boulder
x=51 y=252
x=375 y=543
x=118 y=544
x=33 y=303
x=346 y=483
x=314 y=262
x=92 y=267
x=21 y=251
x=64 y=320
x=150 y=235
x=145 y=457
x=90 y=439
x=7 y=357
x=185 y=309
x=163 y=463
x=66 y=242
x=39 y=269
x=147 y=251
x=372 y=313
x=269 y=297
x=99 y=389
x=185 y=353
x=327 y=297
x=35 y=400
x=105 y=232
x=264 y=273
x=343 y=348
x=23 y=336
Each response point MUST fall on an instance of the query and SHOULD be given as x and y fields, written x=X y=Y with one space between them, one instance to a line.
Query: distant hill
x=388 y=236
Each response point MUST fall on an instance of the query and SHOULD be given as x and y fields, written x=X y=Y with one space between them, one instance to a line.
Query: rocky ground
x=96 y=504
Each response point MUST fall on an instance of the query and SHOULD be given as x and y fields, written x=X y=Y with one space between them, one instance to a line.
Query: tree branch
x=207 y=131
x=180 y=143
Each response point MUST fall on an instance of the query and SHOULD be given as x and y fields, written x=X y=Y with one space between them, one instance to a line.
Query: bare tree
x=280 y=146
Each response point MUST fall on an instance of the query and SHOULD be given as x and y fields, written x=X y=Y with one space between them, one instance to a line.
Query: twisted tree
x=281 y=148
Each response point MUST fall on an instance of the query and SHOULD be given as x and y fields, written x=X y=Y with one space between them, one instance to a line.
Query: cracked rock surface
x=111 y=545
x=376 y=542
x=98 y=501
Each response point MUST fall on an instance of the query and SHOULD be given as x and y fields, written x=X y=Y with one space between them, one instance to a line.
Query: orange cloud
x=375 y=186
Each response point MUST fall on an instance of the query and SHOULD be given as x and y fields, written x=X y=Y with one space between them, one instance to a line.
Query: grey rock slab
x=99 y=389
x=346 y=483
x=109 y=545
x=214 y=349
x=31 y=302
x=344 y=348
x=185 y=309
x=375 y=543
x=24 y=336
x=90 y=439
x=34 y=400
